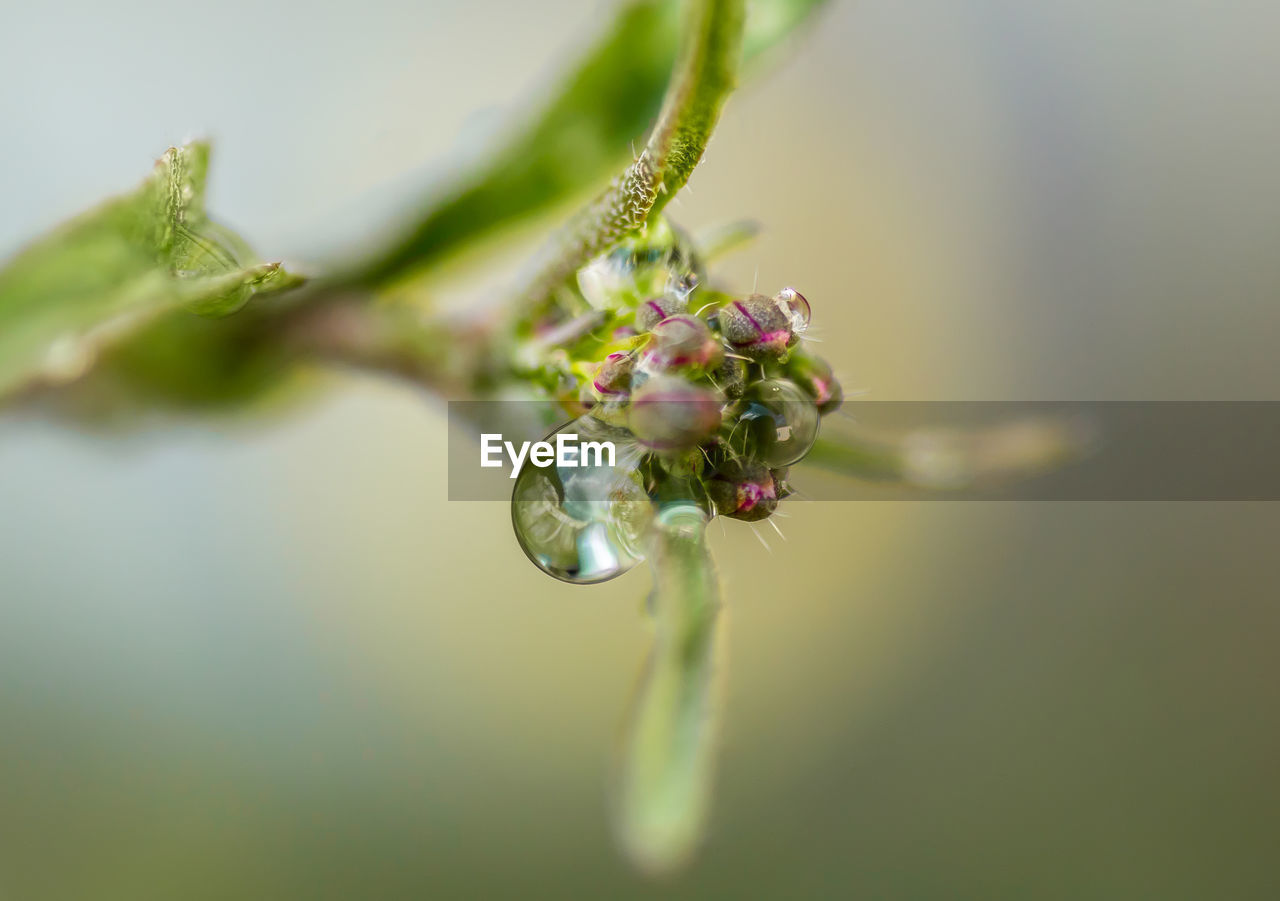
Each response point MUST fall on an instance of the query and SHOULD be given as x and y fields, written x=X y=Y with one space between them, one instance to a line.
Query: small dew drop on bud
x=794 y=306
x=659 y=261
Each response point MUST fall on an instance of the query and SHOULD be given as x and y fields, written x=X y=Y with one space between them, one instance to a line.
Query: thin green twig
x=664 y=786
x=703 y=79
x=939 y=458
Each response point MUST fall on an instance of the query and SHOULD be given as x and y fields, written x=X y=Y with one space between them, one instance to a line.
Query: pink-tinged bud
x=815 y=378
x=684 y=343
x=757 y=327
x=744 y=491
x=612 y=378
x=669 y=415
x=652 y=311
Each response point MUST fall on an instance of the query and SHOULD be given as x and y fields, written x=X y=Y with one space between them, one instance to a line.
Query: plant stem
x=451 y=358
x=664 y=785
x=937 y=458
x=703 y=79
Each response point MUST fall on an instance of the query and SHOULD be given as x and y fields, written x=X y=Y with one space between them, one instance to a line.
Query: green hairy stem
x=704 y=78
x=664 y=784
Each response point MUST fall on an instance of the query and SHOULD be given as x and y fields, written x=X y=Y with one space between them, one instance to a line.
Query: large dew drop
x=586 y=523
x=777 y=423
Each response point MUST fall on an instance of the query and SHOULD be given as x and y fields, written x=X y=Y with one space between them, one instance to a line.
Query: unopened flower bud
x=668 y=414
x=684 y=343
x=744 y=491
x=656 y=309
x=757 y=327
x=815 y=378
x=612 y=378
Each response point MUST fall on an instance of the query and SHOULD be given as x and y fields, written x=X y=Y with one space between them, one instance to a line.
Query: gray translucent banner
x=969 y=450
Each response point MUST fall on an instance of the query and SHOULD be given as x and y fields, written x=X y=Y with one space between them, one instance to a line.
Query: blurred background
x=273 y=661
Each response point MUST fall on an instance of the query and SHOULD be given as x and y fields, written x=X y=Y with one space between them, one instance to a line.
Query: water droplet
x=777 y=423
x=792 y=303
x=658 y=261
x=586 y=523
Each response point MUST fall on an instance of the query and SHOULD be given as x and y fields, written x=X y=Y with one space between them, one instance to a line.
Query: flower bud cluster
x=719 y=391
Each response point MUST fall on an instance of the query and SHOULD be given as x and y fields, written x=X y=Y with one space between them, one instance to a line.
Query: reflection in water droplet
x=796 y=308
x=777 y=424
x=585 y=523
x=658 y=261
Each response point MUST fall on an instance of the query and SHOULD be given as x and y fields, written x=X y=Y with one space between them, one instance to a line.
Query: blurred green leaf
x=769 y=22
x=664 y=785
x=942 y=459
x=114 y=270
x=583 y=137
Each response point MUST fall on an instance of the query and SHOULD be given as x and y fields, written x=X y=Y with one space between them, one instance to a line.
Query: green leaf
x=664 y=784
x=770 y=22
x=583 y=137
x=116 y=269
